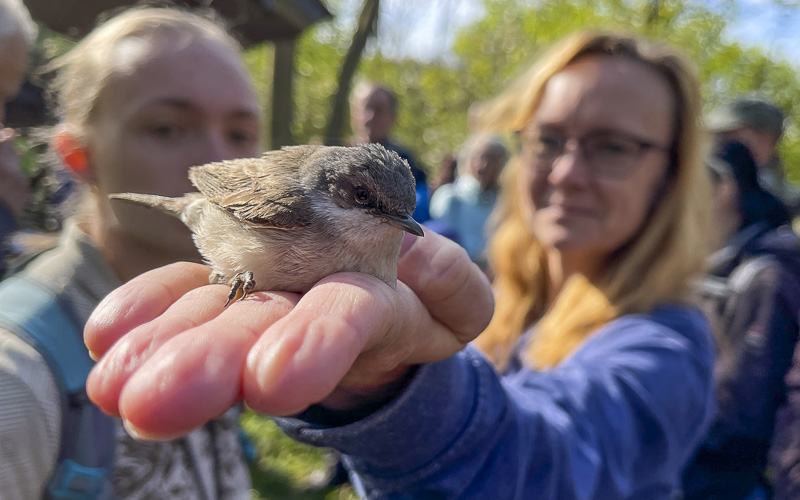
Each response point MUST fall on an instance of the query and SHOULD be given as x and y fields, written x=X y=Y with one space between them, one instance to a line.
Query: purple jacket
x=616 y=420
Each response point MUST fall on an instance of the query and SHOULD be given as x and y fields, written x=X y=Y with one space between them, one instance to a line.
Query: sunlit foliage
x=436 y=96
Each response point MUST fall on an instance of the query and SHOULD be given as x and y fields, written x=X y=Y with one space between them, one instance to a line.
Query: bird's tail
x=172 y=206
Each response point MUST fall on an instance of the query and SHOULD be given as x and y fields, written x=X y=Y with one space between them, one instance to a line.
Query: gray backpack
x=30 y=310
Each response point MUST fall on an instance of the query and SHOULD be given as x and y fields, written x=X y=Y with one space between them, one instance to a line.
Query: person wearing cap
x=752 y=296
x=755 y=121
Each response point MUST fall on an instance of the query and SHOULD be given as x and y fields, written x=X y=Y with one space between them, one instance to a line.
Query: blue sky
x=418 y=24
x=763 y=24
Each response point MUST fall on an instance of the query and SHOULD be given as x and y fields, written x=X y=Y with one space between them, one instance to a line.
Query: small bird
x=294 y=216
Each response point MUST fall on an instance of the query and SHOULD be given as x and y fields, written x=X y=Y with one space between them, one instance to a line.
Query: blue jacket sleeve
x=618 y=419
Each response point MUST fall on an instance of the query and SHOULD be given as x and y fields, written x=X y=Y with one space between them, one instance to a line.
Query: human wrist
x=358 y=396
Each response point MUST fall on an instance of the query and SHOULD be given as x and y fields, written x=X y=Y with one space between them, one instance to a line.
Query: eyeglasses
x=607 y=154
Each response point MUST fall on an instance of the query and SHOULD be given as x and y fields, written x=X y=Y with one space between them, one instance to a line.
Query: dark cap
x=749 y=111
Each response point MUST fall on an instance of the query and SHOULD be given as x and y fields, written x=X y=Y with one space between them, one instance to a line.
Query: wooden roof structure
x=250 y=21
x=253 y=21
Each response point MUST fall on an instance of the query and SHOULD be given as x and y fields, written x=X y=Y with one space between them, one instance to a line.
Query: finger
x=197 y=375
x=301 y=358
x=139 y=301
x=350 y=334
x=109 y=375
x=410 y=336
x=454 y=290
x=413 y=336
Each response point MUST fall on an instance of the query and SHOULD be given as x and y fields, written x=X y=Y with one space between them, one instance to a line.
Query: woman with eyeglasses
x=593 y=379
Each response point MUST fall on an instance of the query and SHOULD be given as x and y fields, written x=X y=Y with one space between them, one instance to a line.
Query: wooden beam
x=367 y=26
x=282 y=98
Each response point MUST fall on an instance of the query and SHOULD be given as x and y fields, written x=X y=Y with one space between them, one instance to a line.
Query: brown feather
x=264 y=191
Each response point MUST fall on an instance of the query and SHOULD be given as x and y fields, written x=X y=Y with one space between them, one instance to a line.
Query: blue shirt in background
x=465 y=209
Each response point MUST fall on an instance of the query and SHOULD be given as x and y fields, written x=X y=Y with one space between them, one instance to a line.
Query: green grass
x=285 y=469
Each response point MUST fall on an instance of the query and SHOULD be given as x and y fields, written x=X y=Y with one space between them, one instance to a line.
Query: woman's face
x=169 y=106
x=594 y=155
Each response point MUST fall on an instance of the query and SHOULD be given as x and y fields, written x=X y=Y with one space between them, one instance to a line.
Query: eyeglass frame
x=642 y=145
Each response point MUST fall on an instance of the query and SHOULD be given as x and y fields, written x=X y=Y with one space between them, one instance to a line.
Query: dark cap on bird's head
x=368 y=177
x=382 y=172
x=752 y=111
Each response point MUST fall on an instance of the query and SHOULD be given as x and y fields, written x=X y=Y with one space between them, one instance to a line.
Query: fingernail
x=133 y=431
x=94 y=356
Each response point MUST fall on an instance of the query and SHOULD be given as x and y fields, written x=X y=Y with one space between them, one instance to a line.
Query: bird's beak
x=404 y=222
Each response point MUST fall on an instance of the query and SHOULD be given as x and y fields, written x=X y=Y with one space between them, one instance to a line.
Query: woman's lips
x=572 y=210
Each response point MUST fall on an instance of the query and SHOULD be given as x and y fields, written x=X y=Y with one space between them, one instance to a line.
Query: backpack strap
x=32 y=312
x=743 y=275
x=789 y=262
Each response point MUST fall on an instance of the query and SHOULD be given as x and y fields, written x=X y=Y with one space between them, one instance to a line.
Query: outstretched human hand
x=171 y=358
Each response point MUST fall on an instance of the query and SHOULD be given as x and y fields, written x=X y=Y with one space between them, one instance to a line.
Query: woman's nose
x=217 y=148
x=570 y=165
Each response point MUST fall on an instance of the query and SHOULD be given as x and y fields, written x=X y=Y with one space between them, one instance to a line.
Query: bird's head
x=373 y=179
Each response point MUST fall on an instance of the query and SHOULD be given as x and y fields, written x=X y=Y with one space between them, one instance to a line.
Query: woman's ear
x=72 y=152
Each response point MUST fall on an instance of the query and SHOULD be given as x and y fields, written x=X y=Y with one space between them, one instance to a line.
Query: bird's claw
x=241 y=285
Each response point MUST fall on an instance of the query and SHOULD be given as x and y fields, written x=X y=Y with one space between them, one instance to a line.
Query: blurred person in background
x=447 y=173
x=373 y=115
x=17 y=33
x=465 y=205
x=595 y=377
x=445 y=176
x=753 y=298
x=755 y=121
x=145 y=96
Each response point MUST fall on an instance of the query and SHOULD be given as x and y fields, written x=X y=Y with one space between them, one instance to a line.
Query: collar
x=722 y=262
x=76 y=269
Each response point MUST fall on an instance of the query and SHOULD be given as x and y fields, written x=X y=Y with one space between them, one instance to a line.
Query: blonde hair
x=657 y=266
x=85 y=70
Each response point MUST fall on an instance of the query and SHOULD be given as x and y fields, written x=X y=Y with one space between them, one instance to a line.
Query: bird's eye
x=362 y=196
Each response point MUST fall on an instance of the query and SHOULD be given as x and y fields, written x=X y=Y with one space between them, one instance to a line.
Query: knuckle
x=447 y=271
x=390 y=357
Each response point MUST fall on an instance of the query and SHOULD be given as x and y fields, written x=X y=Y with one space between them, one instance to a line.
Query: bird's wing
x=264 y=191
